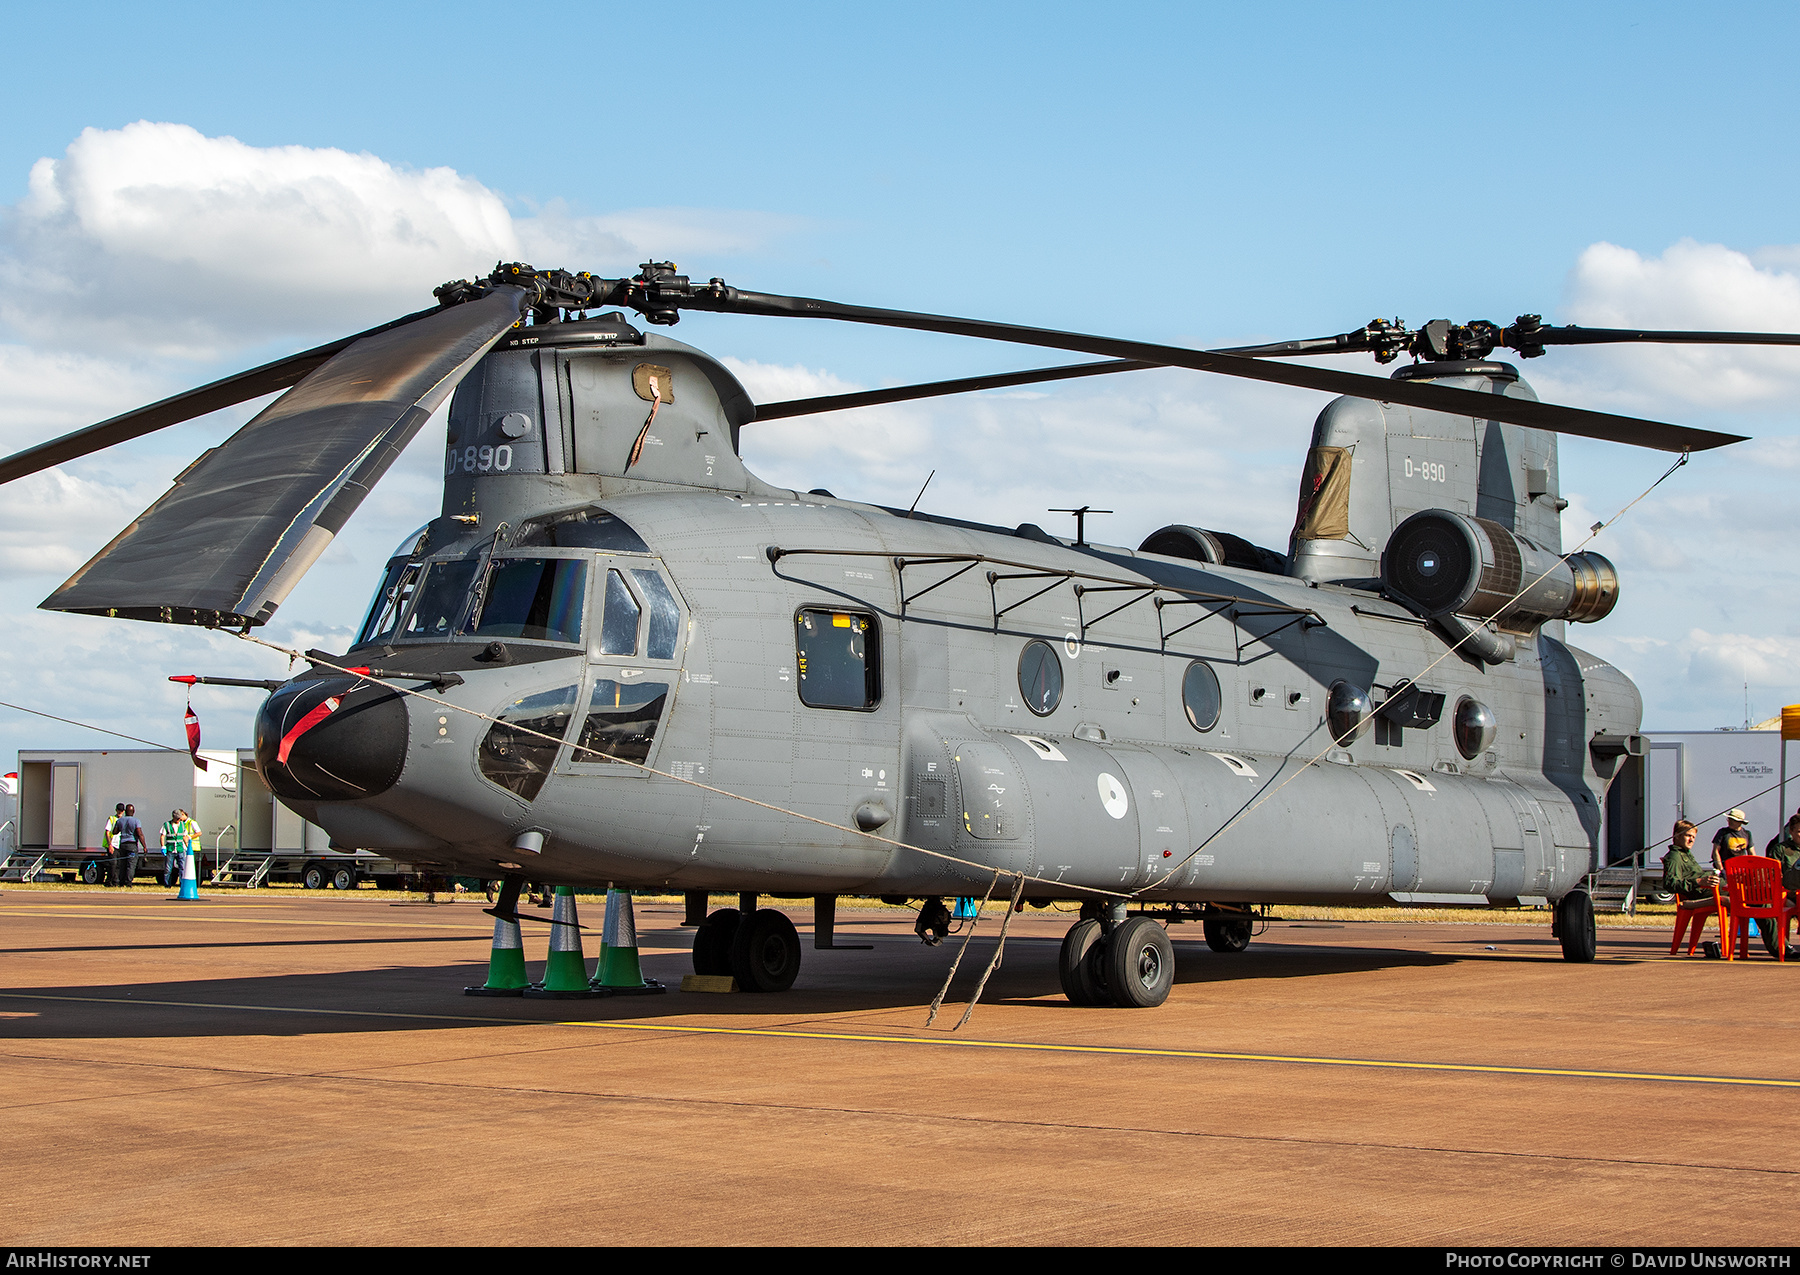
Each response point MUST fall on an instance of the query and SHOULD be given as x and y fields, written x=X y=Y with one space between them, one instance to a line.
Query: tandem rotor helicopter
x=617 y=656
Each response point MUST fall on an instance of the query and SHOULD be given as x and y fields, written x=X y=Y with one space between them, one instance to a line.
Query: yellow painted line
x=1117 y=1051
x=122 y=915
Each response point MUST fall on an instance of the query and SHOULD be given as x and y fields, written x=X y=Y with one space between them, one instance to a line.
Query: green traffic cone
x=619 y=971
x=506 y=967
x=565 y=973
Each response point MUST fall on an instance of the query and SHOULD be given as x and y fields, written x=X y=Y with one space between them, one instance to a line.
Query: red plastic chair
x=1694 y=912
x=1753 y=883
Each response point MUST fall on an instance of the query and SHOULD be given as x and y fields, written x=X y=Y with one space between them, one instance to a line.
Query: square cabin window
x=839 y=659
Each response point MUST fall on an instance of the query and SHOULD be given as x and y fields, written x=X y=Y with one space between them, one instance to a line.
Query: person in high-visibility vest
x=180 y=835
x=171 y=850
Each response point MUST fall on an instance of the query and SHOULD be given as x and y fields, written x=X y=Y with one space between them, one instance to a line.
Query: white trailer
x=247 y=837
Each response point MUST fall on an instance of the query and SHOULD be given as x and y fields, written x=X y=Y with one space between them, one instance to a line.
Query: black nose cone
x=331 y=739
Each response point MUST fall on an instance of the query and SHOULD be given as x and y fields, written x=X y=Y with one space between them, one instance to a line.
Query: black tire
x=92 y=873
x=1575 y=926
x=1227 y=934
x=1140 y=964
x=712 y=942
x=1079 y=967
x=313 y=877
x=343 y=879
x=1659 y=897
x=765 y=952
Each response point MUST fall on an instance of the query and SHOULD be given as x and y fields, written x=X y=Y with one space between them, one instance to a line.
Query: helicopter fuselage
x=1097 y=718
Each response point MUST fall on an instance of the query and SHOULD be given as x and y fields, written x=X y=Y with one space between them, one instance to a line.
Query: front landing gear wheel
x=1575 y=926
x=1226 y=934
x=712 y=942
x=1140 y=964
x=765 y=952
x=1079 y=965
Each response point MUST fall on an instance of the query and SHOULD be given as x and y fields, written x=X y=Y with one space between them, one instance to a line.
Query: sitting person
x=1786 y=848
x=1682 y=874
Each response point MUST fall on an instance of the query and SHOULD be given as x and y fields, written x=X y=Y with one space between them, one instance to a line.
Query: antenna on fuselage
x=921 y=495
x=1080 y=521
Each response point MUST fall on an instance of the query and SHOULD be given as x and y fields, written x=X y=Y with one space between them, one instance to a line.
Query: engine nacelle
x=1445 y=563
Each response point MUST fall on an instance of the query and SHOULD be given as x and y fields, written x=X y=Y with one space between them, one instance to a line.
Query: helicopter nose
x=331 y=739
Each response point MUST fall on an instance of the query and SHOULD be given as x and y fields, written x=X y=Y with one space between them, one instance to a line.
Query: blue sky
x=1189 y=173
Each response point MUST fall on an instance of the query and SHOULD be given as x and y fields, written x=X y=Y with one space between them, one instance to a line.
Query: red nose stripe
x=305 y=724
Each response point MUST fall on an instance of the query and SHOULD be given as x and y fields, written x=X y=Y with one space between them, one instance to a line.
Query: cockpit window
x=621 y=721
x=390 y=601
x=665 y=616
x=519 y=750
x=618 y=630
x=443 y=596
x=590 y=528
x=534 y=599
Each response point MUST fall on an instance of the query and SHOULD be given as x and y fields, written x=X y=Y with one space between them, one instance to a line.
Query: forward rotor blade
x=245 y=521
x=1420 y=394
x=937 y=389
x=228 y=392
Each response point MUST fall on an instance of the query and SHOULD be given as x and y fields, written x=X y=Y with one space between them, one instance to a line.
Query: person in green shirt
x=1786 y=848
x=1682 y=873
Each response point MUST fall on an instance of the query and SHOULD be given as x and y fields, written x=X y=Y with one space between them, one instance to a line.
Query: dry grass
x=1649 y=915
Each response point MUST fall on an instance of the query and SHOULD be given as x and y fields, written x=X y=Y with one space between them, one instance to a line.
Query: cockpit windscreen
x=533 y=599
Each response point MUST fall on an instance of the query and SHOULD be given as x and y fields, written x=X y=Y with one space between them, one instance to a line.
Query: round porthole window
x=1475 y=728
x=1040 y=678
x=1200 y=695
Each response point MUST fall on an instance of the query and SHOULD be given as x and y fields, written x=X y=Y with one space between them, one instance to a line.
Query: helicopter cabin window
x=621 y=722
x=619 y=627
x=442 y=597
x=515 y=753
x=533 y=599
x=665 y=616
x=1040 y=678
x=390 y=601
x=1200 y=697
x=839 y=656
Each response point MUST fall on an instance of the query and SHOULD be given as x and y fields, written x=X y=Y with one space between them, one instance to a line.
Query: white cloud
x=156 y=237
x=1691 y=286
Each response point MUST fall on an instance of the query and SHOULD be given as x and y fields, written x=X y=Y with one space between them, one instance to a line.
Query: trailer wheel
x=344 y=879
x=312 y=876
x=90 y=873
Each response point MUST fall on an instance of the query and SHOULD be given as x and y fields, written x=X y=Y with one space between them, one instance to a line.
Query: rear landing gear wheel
x=1575 y=926
x=765 y=952
x=1140 y=964
x=712 y=942
x=1226 y=934
x=1079 y=966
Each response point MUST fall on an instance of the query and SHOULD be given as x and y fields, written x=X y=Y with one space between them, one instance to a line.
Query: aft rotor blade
x=232 y=390
x=1420 y=394
x=1609 y=336
x=244 y=522
x=937 y=389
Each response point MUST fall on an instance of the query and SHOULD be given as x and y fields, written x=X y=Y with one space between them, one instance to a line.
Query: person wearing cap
x=1732 y=840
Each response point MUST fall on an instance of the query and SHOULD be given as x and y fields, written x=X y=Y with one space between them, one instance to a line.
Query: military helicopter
x=617 y=656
